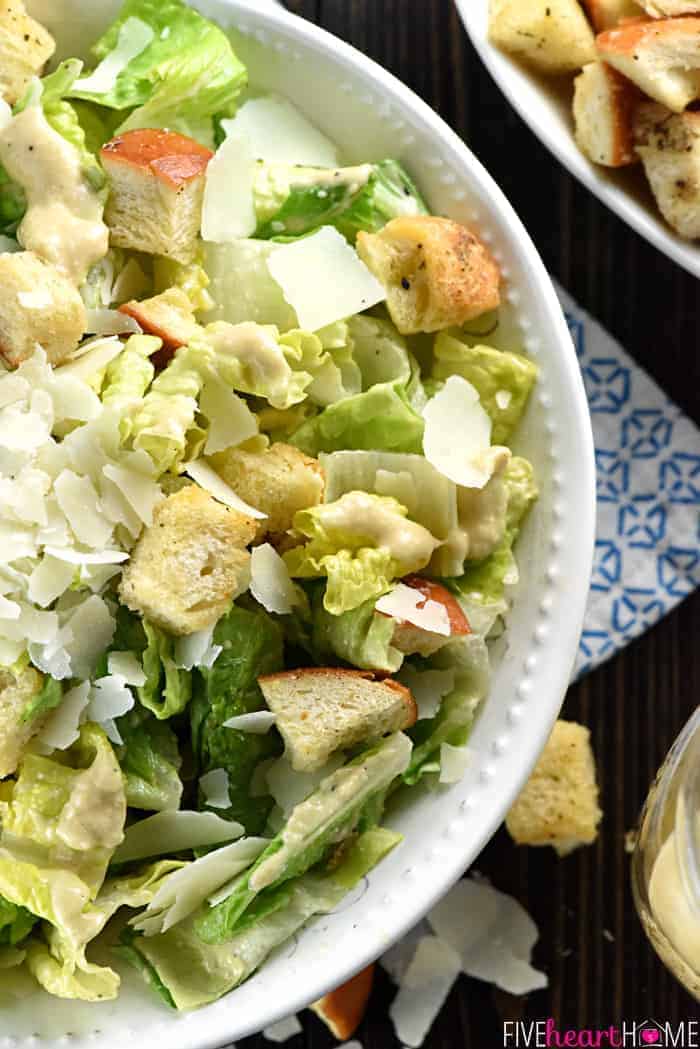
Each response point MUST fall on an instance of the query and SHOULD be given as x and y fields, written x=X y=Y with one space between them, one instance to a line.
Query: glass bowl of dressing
x=666 y=860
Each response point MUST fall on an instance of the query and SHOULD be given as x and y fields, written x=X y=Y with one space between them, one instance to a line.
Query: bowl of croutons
x=611 y=88
x=298 y=519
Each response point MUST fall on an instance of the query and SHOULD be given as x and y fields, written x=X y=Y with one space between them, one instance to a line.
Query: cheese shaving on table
x=457 y=437
x=283 y=1030
x=492 y=933
x=215 y=788
x=425 y=985
x=406 y=604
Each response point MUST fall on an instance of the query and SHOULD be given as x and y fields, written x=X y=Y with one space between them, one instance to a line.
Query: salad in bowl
x=260 y=508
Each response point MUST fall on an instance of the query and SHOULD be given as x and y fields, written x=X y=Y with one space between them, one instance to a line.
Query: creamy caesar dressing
x=95 y=813
x=257 y=350
x=342 y=790
x=63 y=222
x=674 y=912
x=482 y=516
x=366 y=517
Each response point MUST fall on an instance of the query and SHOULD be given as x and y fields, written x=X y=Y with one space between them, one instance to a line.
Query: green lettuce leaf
x=68 y=810
x=16 y=923
x=314 y=826
x=381 y=419
x=168 y=689
x=452 y=724
x=150 y=760
x=59 y=964
x=180 y=69
x=47 y=699
x=128 y=377
x=491 y=372
x=343 y=544
x=360 y=637
x=189 y=973
x=13 y=204
x=190 y=278
x=242 y=287
x=293 y=201
x=252 y=646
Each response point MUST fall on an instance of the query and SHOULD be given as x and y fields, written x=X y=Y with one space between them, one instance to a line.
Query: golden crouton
x=37 y=305
x=16 y=690
x=559 y=804
x=190 y=563
x=604 y=14
x=436 y=272
x=669 y=145
x=169 y=316
x=25 y=48
x=604 y=105
x=156 y=192
x=661 y=57
x=324 y=709
x=552 y=35
x=278 y=481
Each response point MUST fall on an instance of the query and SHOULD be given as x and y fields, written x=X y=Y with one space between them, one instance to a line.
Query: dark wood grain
x=600 y=967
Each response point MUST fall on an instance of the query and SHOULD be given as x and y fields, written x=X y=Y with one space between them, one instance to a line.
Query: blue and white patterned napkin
x=647 y=551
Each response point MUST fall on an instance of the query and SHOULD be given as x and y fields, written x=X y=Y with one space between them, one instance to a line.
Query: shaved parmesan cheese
x=289 y=787
x=323 y=279
x=134 y=38
x=63 y=725
x=141 y=492
x=453 y=762
x=101 y=352
x=111 y=322
x=428 y=687
x=270 y=582
x=109 y=698
x=397 y=959
x=80 y=503
x=9 y=609
x=230 y=419
x=406 y=604
x=214 y=786
x=182 y=892
x=258 y=722
x=283 y=1030
x=197 y=650
x=127 y=666
x=503 y=399
x=457 y=437
x=49 y=580
x=207 y=478
x=92 y=628
x=168 y=832
x=84 y=557
x=424 y=988
x=228 y=211
x=280 y=134
x=492 y=933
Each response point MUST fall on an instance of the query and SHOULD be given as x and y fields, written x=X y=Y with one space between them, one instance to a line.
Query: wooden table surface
x=600 y=968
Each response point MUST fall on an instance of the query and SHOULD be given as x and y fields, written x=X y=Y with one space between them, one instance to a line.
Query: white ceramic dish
x=547 y=111
x=371 y=115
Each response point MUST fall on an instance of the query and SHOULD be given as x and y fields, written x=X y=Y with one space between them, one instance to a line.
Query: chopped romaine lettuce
x=47 y=699
x=503 y=380
x=167 y=689
x=381 y=419
x=361 y=542
x=330 y=813
x=293 y=201
x=150 y=760
x=13 y=204
x=188 y=972
x=16 y=922
x=242 y=287
x=191 y=278
x=252 y=646
x=69 y=810
x=180 y=69
x=360 y=637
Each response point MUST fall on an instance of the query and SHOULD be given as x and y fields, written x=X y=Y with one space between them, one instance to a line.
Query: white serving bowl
x=545 y=105
x=373 y=116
